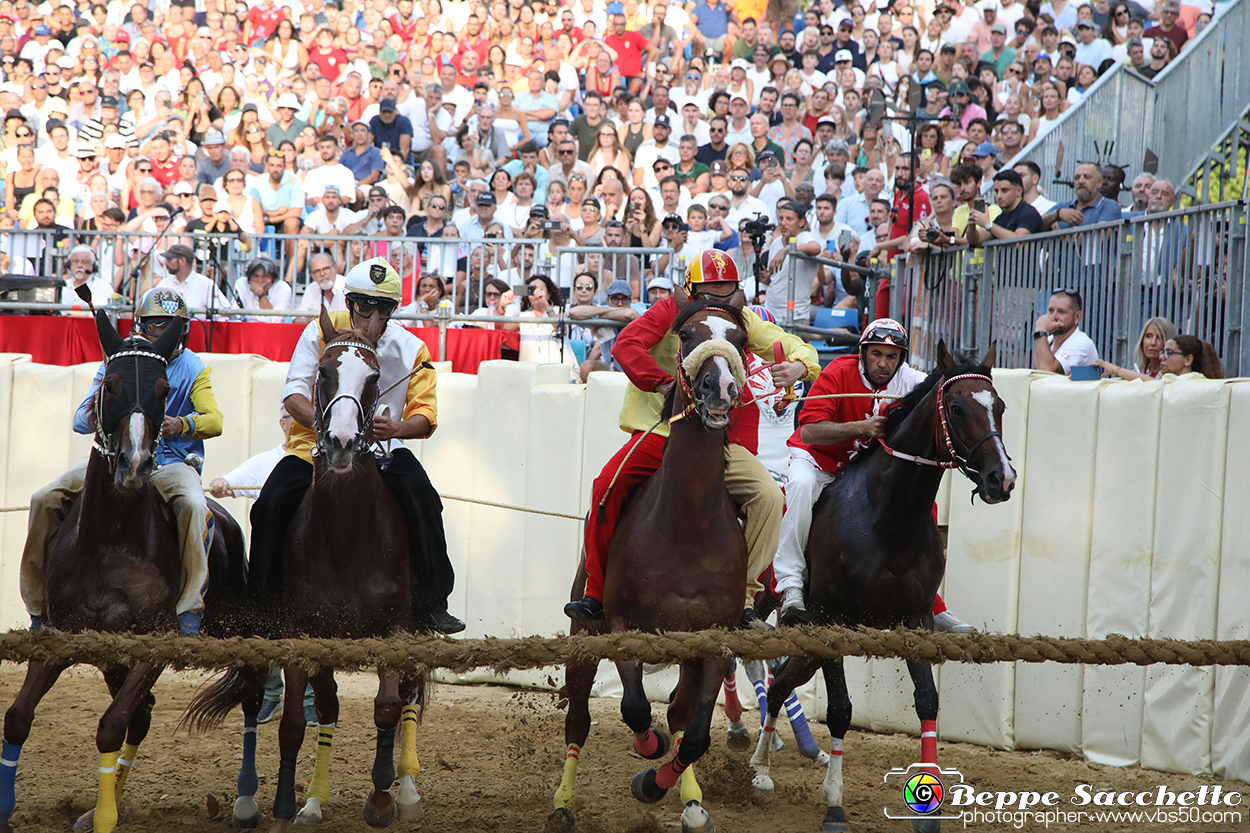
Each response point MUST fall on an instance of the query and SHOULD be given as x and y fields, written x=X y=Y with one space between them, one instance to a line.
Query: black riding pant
x=433 y=577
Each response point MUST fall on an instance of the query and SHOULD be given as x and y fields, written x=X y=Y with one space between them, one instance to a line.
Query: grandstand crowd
x=424 y=131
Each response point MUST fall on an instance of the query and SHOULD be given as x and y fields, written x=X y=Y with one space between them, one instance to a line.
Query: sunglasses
x=162 y=219
x=584 y=287
x=1167 y=353
x=146 y=170
x=25 y=135
x=385 y=306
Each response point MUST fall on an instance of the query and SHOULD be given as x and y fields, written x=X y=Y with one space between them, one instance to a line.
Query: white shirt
x=313 y=297
x=1078 y=350
x=279 y=295
x=254 y=471
x=777 y=294
x=101 y=292
x=463 y=101
x=421 y=139
x=320 y=223
x=1043 y=205
x=648 y=152
x=316 y=180
x=746 y=211
x=197 y=291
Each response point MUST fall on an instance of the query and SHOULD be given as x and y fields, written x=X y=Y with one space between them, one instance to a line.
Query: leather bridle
x=320 y=414
x=943 y=433
x=103 y=440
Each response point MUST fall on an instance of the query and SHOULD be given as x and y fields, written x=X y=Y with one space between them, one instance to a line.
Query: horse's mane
x=964 y=364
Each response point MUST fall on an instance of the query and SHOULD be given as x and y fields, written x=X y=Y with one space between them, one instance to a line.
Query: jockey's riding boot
x=947 y=622
x=793 y=611
x=189 y=622
x=749 y=619
x=585 y=608
x=36 y=622
x=439 y=621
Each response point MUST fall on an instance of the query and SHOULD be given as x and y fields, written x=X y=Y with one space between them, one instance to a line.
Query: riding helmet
x=374 y=278
x=885 y=331
x=712 y=266
x=160 y=303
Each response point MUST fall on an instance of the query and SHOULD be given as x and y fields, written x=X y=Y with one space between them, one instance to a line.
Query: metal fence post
x=975 y=267
x=1236 y=346
x=442 y=314
x=1124 y=291
x=790 y=272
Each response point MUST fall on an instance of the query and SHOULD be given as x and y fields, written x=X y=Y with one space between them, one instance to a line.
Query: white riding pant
x=804 y=483
x=178 y=484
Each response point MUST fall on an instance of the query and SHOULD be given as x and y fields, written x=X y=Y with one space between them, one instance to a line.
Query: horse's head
x=130 y=403
x=346 y=392
x=710 y=374
x=970 y=422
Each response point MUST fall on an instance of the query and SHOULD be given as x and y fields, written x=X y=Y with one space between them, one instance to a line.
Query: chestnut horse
x=346 y=575
x=115 y=565
x=677 y=563
x=875 y=557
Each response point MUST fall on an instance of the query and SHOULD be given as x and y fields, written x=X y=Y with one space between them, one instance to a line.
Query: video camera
x=757 y=229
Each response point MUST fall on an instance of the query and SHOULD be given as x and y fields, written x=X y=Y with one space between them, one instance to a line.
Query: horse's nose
x=718 y=386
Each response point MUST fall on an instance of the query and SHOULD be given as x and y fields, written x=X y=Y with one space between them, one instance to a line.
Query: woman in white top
x=243 y=207
x=608 y=151
x=289 y=54
x=887 y=67
x=510 y=120
x=540 y=342
x=739 y=84
x=932 y=39
x=261 y=287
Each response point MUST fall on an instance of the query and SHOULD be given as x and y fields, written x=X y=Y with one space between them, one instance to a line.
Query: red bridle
x=942 y=431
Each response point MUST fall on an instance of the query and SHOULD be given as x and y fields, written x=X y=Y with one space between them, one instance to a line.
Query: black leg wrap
x=384 y=761
x=284 y=800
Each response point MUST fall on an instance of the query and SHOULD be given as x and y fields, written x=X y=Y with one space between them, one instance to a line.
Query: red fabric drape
x=65 y=341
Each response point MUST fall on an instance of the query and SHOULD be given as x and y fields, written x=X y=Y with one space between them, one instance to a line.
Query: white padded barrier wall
x=232 y=383
x=1230 y=736
x=1176 y=725
x=10 y=598
x=1054 y=556
x=982 y=585
x=1121 y=542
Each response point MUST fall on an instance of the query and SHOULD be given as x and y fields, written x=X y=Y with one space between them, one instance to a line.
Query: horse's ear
x=945 y=361
x=110 y=340
x=738 y=300
x=168 y=342
x=373 y=331
x=328 y=332
x=680 y=298
x=987 y=361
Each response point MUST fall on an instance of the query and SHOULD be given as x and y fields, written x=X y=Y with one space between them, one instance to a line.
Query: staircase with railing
x=1188 y=125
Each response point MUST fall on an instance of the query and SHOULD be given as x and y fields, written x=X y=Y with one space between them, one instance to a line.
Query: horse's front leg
x=839 y=720
x=290 y=739
x=579 y=678
x=246 y=812
x=412 y=694
x=110 y=735
x=40 y=678
x=636 y=712
x=796 y=672
x=380 y=808
x=326 y=700
x=136 y=731
x=927 y=710
x=737 y=737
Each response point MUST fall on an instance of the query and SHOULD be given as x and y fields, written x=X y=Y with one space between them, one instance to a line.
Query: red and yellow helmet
x=711 y=266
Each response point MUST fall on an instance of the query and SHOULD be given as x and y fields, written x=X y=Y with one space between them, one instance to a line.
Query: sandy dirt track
x=491 y=759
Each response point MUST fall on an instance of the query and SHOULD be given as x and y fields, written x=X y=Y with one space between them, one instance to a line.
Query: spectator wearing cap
x=944 y=64
x=843 y=39
x=484 y=207
x=999 y=54
x=1169 y=26
x=287 y=128
x=37 y=48
x=1092 y=50
x=363 y=159
x=845 y=59
x=330 y=217
x=618 y=308
x=962 y=106
x=198 y=292
x=591 y=215
x=214 y=163
x=738 y=128
x=659 y=146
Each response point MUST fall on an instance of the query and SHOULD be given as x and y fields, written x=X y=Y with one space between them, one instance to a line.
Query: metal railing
x=1189 y=266
x=1182 y=117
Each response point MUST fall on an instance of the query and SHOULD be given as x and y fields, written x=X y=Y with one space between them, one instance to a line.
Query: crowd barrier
x=1129 y=517
x=1189 y=266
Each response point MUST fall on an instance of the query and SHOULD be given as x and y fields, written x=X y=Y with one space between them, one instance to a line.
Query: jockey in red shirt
x=647 y=351
x=830 y=433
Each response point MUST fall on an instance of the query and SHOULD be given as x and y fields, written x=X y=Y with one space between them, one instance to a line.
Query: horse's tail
x=211 y=705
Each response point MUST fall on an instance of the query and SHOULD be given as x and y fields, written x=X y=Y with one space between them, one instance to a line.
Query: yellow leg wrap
x=408 y=763
x=106 y=798
x=564 y=795
x=124 y=763
x=320 y=787
x=690 y=790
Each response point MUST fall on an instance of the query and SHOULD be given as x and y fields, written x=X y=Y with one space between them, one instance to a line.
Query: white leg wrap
x=832 y=787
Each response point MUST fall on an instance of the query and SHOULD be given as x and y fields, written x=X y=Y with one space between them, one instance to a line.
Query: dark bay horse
x=677 y=563
x=346 y=575
x=875 y=557
x=115 y=564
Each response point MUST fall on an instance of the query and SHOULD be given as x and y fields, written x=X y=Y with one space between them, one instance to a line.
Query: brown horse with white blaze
x=678 y=563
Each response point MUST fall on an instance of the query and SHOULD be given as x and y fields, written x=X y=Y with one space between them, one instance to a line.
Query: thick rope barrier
x=415 y=654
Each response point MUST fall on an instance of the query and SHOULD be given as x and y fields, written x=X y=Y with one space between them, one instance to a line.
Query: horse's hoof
x=246 y=813
x=926 y=825
x=86 y=821
x=738 y=739
x=380 y=809
x=763 y=783
x=663 y=743
x=645 y=789
x=694 y=819
x=280 y=826
x=311 y=814
x=835 y=821
x=560 y=820
x=408 y=800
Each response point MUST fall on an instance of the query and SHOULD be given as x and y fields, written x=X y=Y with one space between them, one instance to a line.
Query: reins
x=101 y=439
x=319 y=413
x=942 y=427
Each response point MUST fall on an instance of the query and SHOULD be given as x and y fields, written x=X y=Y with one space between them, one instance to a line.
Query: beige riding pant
x=761 y=501
x=178 y=484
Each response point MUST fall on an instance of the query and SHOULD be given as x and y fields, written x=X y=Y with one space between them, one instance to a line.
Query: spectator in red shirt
x=164 y=161
x=902 y=217
x=473 y=41
x=568 y=27
x=404 y=23
x=262 y=21
x=632 y=51
x=329 y=58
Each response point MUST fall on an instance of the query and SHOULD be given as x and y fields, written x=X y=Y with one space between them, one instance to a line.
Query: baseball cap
x=658 y=283
x=109 y=101
x=359 y=121
x=42 y=30
x=768 y=154
x=843 y=55
x=740 y=63
x=1086 y=24
x=661 y=161
x=1068 y=39
x=779 y=57
x=114 y=141
x=719 y=168
x=947 y=47
x=182 y=188
x=208 y=192
x=795 y=206
x=846 y=21
x=250 y=106
x=620 y=287
x=386 y=105
x=673 y=218
x=180 y=250
x=213 y=137
x=985 y=149
x=959 y=87
x=539 y=211
x=84 y=151
x=486 y=199
x=66 y=62
x=378 y=191
x=738 y=97
x=662 y=121
x=999 y=27
x=591 y=202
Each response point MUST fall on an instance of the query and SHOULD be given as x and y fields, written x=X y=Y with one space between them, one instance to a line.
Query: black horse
x=116 y=565
x=875 y=557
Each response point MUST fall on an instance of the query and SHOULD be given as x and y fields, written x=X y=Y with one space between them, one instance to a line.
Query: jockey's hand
x=384 y=428
x=786 y=374
x=220 y=488
x=171 y=427
x=874 y=427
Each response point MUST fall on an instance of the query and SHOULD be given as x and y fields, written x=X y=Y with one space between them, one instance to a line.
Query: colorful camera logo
x=923 y=793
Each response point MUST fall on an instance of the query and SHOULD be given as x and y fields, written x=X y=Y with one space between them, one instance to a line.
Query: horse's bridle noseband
x=102 y=440
x=693 y=403
x=942 y=430
x=319 y=413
